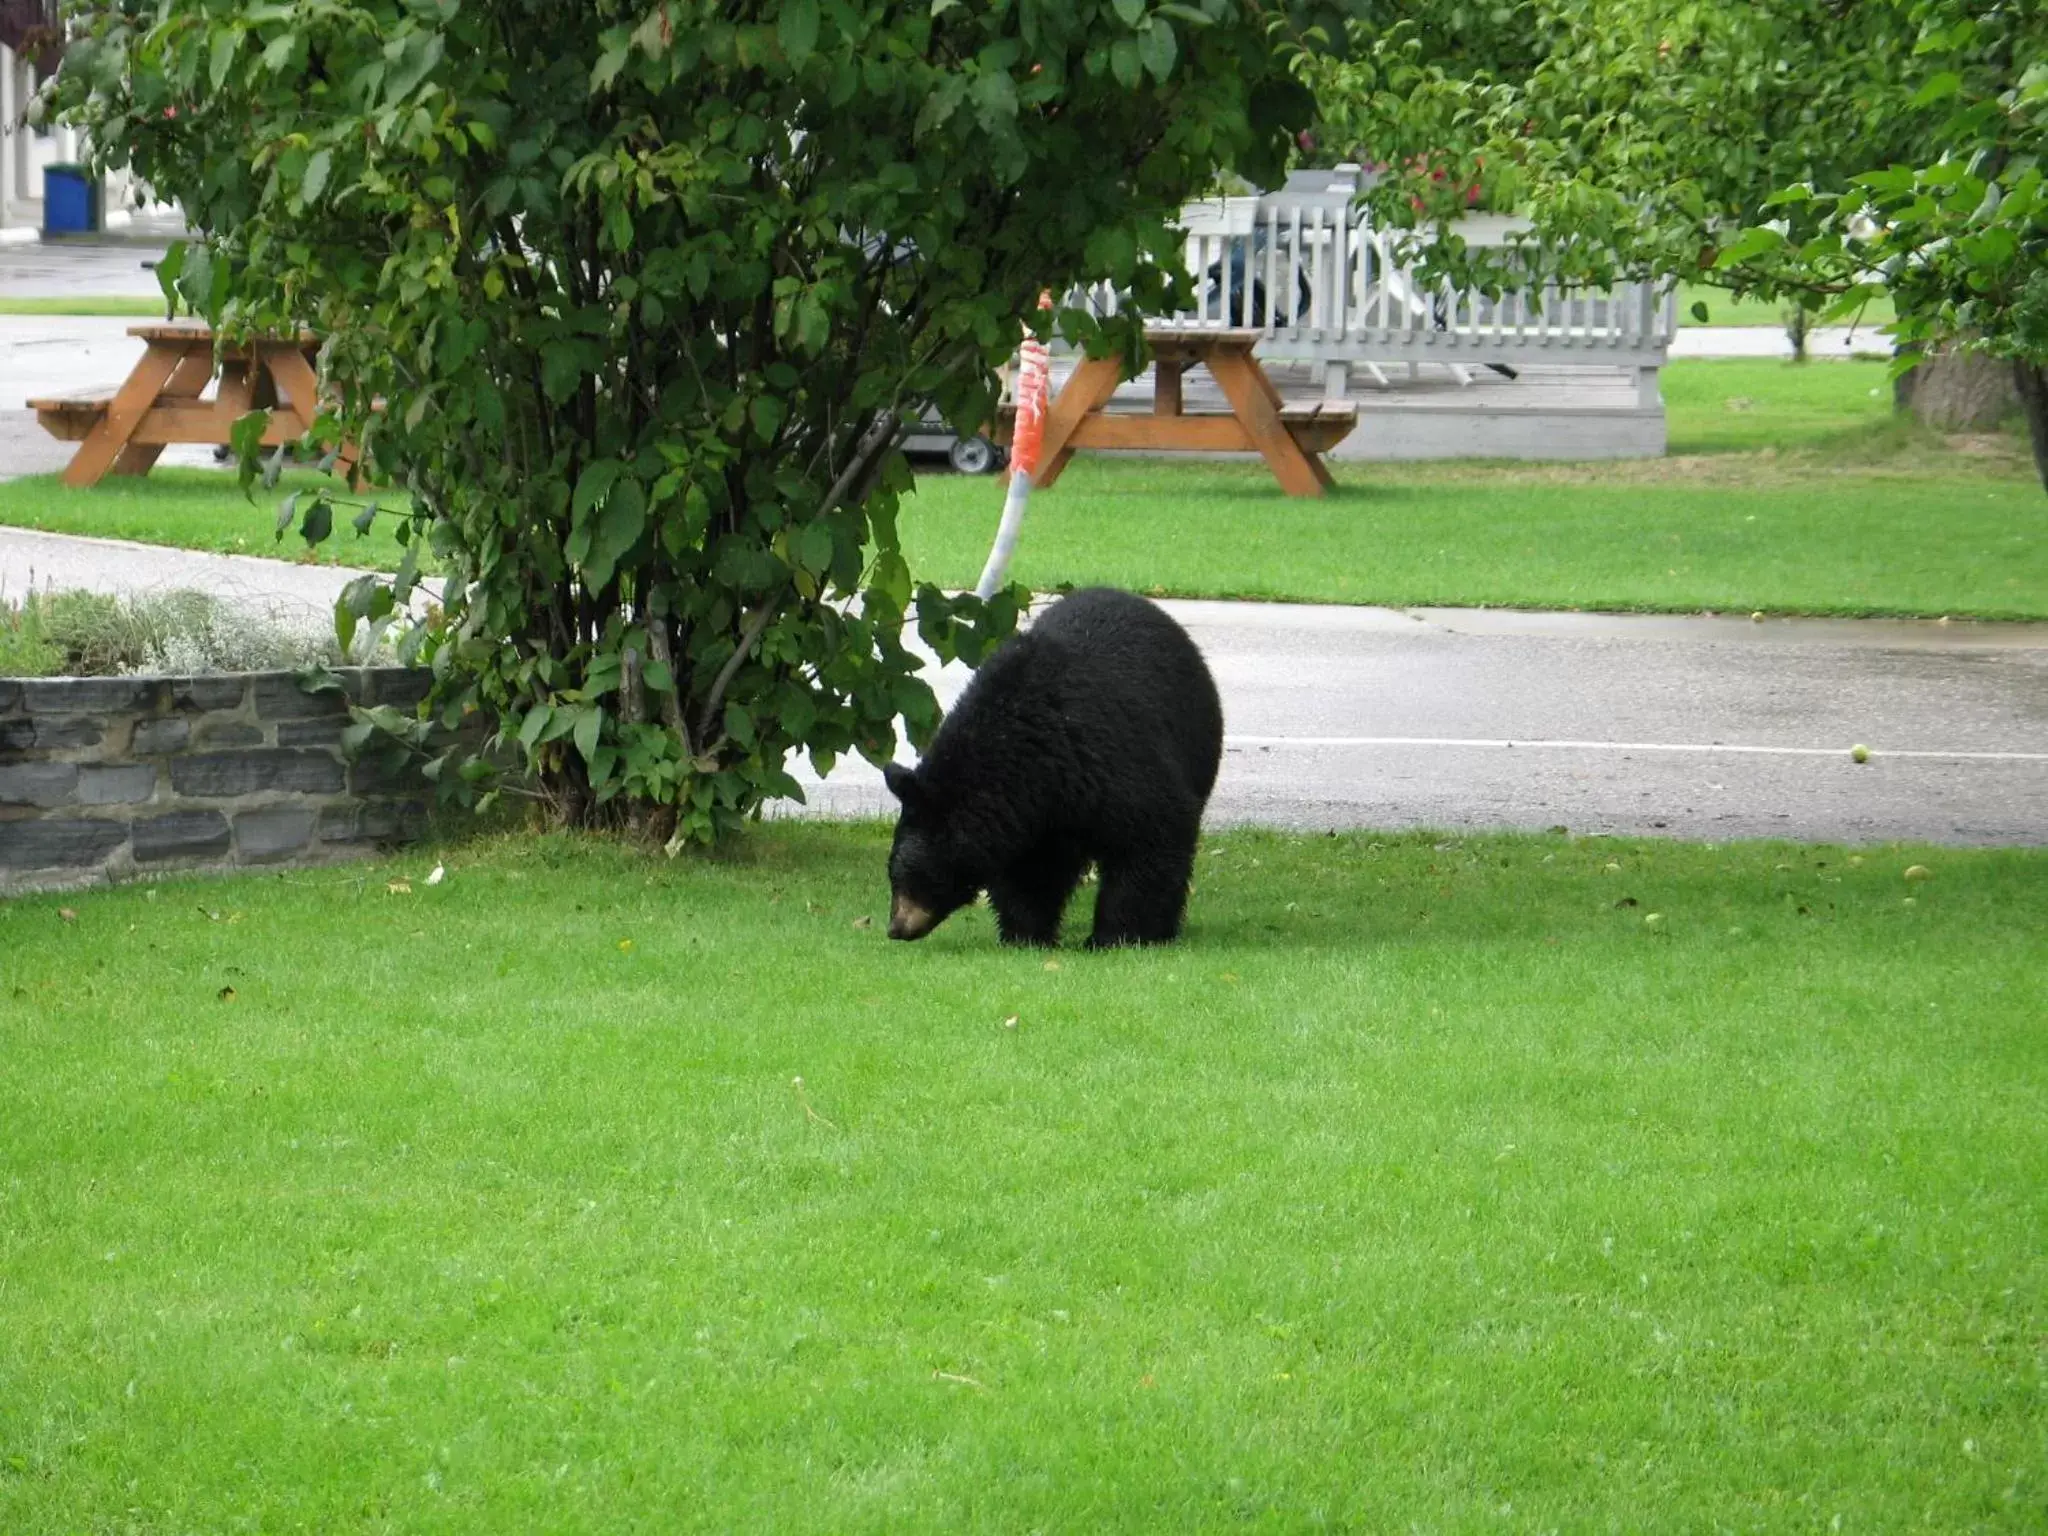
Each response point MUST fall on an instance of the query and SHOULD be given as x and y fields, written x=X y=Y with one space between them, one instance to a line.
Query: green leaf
x=796 y=29
x=815 y=549
x=1126 y=63
x=1750 y=244
x=351 y=605
x=1989 y=248
x=246 y=435
x=317 y=167
x=767 y=413
x=168 y=267
x=1130 y=12
x=536 y=721
x=995 y=99
x=939 y=105
x=619 y=526
x=1160 y=48
x=1699 y=312
x=194 y=278
x=891 y=579
x=363 y=519
x=589 y=721
x=287 y=512
x=408 y=573
x=594 y=484
x=1938 y=88
x=561 y=369
x=226 y=43
x=739 y=725
x=319 y=520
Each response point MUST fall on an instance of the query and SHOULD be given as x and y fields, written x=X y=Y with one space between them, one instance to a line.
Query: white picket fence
x=1304 y=267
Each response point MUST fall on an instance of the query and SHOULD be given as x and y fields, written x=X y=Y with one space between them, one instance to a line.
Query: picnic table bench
x=124 y=430
x=1291 y=437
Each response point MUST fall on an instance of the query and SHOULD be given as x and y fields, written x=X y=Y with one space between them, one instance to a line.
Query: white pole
x=25 y=188
x=8 y=130
x=1006 y=535
x=1033 y=385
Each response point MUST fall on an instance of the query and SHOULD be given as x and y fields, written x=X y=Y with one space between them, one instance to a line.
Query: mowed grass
x=1792 y=489
x=1424 y=1186
x=203 y=509
x=1724 y=310
x=84 y=304
x=1831 y=415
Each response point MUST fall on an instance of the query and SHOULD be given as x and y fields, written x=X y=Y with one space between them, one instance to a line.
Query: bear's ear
x=903 y=783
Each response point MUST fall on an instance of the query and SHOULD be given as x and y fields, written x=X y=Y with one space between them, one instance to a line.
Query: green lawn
x=1725 y=311
x=1791 y=489
x=1838 y=414
x=86 y=304
x=1425 y=1186
x=197 y=509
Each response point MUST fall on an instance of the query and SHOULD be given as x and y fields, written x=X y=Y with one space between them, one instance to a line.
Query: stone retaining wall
x=103 y=778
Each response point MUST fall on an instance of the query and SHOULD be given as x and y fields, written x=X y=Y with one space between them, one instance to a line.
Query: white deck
x=1546 y=412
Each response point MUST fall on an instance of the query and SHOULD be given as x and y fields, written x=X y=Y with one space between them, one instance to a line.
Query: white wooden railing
x=1304 y=267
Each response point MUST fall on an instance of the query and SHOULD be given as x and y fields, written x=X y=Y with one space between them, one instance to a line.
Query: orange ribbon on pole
x=1027 y=436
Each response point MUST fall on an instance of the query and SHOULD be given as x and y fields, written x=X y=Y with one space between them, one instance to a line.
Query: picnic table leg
x=1265 y=383
x=234 y=396
x=1087 y=389
x=1257 y=404
x=1166 y=386
x=1272 y=396
x=187 y=382
x=296 y=384
x=133 y=401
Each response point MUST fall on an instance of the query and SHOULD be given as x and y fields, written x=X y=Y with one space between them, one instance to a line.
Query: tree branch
x=876 y=441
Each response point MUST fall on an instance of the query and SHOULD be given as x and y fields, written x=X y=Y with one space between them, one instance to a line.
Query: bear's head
x=929 y=878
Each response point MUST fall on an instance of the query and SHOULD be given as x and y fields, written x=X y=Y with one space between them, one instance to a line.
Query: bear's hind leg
x=1143 y=898
x=1030 y=896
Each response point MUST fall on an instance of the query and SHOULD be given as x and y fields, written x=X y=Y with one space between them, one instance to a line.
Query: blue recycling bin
x=70 y=201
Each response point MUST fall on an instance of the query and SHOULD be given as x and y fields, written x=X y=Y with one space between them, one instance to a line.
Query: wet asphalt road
x=1701 y=728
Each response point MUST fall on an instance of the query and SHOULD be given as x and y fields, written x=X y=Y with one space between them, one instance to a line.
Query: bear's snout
x=907 y=920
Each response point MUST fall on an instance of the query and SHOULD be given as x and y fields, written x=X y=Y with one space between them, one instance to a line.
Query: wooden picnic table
x=1292 y=438
x=124 y=430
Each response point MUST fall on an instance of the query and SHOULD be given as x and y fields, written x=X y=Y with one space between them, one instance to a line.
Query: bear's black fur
x=1092 y=737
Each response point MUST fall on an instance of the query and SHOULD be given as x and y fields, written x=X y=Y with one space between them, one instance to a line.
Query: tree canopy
x=1634 y=134
x=1822 y=150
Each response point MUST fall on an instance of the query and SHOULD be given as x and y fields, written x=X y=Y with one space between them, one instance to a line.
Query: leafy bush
x=25 y=651
x=646 y=293
x=94 y=634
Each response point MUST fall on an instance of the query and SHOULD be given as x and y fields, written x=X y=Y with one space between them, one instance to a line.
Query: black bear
x=1091 y=737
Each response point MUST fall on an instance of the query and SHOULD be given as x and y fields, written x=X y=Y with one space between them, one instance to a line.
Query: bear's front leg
x=1030 y=896
x=1143 y=898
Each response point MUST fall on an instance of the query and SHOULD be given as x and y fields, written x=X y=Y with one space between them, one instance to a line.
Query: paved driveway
x=1683 y=727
